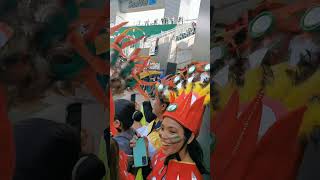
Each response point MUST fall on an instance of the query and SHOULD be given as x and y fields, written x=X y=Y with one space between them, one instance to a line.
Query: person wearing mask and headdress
x=180 y=155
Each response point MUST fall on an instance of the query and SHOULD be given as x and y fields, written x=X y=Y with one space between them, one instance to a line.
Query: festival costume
x=187 y=109
x=131 y=71
x=123 y=167
x=239 y=153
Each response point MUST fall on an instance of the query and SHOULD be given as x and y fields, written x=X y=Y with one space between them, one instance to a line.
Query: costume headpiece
x=188 y=110
x=128 y=68
x=187 y=107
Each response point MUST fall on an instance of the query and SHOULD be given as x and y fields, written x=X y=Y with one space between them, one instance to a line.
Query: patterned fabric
x=175 y=170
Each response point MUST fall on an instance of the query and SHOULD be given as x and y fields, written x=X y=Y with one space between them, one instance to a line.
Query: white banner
x=154 y=66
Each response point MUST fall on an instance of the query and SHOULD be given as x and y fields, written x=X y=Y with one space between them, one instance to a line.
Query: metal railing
x=151 y=23
x=177 y=30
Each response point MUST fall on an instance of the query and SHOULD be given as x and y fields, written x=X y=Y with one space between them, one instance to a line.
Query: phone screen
x=133 y=98
x=140 y=153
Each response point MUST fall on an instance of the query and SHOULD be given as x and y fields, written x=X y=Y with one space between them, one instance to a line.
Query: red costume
x=188 y=110
x=175 y=169
x=123 y=167
x=239 y=154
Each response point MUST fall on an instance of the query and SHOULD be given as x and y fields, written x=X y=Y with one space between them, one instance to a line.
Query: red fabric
x=239 y=163
x=228 y=134
x=286 y=21
x=7 y=149
x=173 y=170
x=223 y=126
x=182 y=170
x=100 y=23
x=117 y=27
x=123 y=166
x=157 y=164
x=276 y=156
x=228 y=114
x=278 y=153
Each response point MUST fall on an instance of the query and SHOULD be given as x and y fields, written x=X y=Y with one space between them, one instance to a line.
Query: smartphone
x=140 y=156
x=133 y=98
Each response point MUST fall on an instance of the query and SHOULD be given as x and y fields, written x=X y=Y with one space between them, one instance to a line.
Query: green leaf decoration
x=127 y=70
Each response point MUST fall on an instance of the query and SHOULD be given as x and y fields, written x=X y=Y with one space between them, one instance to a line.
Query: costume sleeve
x=147 y=109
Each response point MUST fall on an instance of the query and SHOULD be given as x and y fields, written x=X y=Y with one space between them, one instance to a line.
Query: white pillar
x=201 y=48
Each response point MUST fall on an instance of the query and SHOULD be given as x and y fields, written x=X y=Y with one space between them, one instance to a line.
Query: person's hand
x=133 y=141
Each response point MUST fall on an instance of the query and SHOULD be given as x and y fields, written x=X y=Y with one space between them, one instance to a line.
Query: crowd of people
x=170 y=134
x=168 y=123
x=163 y=21
x=188 y=33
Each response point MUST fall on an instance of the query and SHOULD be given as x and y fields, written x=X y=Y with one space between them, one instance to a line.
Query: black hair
x=91 y=168
x=124 y=110
x=137 y=116
x=164 y=100
x=195 y=151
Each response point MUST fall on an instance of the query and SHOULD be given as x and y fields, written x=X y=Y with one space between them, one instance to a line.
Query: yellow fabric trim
x=148 y=73
x=154 y=137
x=150 y=126
x=139 y=175
x=183 y=162
x=143 y=120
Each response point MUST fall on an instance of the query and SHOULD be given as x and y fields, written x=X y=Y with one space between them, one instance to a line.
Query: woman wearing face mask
x=180 y=156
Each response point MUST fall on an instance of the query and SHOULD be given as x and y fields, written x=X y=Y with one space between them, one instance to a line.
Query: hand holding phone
x=140 y=155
